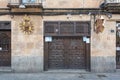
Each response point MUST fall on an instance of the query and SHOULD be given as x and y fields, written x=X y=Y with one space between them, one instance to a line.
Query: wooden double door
x=118 y=46
x=5 y=48
x=66 y=53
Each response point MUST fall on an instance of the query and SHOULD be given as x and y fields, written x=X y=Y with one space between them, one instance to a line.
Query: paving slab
x=59 y=76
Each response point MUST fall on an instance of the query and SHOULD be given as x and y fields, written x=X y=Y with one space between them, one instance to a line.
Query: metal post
x=20 y=1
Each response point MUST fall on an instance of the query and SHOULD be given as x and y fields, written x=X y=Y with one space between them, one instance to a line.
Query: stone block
x=27 y=63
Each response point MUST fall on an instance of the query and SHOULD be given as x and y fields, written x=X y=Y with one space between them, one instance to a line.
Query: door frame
x=8 y=28
x=117 y=51
x=87 y=47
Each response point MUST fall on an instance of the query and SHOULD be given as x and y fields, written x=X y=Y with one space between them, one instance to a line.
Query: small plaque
x=0 y=48
x=48 y=39
x=84 y=38
x=118 y=48
x=119 y=28
x=87 y=40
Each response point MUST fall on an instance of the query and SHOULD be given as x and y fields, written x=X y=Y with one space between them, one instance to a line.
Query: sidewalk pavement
x=59 y=76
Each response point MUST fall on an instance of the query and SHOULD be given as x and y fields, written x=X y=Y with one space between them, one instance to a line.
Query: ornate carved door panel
x=66 y=53
x=76 y=53
x=56 y=54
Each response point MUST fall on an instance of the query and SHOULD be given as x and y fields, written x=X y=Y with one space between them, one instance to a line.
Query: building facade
x=43 y=35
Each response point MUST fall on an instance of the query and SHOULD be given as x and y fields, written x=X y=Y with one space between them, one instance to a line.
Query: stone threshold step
x=67 y=71
x=5 y=69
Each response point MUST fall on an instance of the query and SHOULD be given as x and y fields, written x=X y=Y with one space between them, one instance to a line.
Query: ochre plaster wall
x=27 y=50
x=103 y=45
x=103 y=48
x=72 y=3
x=3 y=3
x=64 y=3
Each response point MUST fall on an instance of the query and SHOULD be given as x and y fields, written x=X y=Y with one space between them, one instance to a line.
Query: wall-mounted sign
x=118 y=25
x=48 y=39
x=0 y=48
x=85 y=39
x=118 y=48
